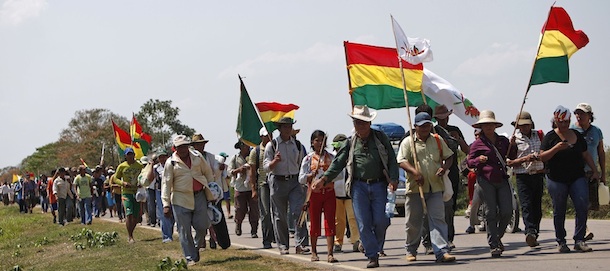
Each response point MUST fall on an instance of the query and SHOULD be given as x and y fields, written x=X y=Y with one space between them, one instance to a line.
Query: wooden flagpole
x=412 y=141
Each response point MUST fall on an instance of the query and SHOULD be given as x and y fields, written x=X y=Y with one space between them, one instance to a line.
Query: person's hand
x=596 y=176
x=394 y=185
x=441 y=171
x=419 y=179
x=126 y=184
x=563 y=145
x=483 y=159
x=166 y=212
x=602 y=179
x=317 y=184
x=254 y=194
x=278 y=156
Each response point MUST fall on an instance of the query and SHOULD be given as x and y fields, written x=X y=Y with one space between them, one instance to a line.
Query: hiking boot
x=530 y=240
x=470 y=229
x=446 y=258
x=411 y=257
x=373 y=263
x=582 y=247
x=563 y=248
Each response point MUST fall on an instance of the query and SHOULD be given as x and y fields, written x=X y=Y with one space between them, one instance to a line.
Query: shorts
x=54 y=206
x=227 y=195
x=132 y=207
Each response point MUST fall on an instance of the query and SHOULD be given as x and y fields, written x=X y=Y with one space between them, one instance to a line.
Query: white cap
x=263 y=132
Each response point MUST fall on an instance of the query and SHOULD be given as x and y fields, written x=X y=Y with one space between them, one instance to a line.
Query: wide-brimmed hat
x=180 y=140
x=363 y=113
x=198 y=138
x=285 y=120
x=585 y=107
x=487 y=116
x=441 y=111
x=523 y=119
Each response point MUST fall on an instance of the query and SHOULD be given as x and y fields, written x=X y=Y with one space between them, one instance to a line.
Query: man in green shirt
x=82 y=184
x=127 y=177
x=371 y=165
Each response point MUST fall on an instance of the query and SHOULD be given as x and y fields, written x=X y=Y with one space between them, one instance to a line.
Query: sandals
x=314 y=257
x=331 y=259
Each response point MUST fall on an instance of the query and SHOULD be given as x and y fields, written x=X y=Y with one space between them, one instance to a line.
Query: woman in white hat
x=488 y=156
x=564 y=152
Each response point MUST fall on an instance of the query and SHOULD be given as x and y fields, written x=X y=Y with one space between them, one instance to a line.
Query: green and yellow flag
x=248 y=122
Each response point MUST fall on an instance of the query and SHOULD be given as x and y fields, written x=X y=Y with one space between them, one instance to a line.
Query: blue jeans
x=579 y=193
x=85 y=210
x=167 y=223
x=151 y=201
x=44 y=203
x=97 y=205
x=187 y=220
x=369 y=201
x=437 y=230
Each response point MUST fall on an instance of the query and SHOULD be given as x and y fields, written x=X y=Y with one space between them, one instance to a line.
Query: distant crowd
x=284 y=186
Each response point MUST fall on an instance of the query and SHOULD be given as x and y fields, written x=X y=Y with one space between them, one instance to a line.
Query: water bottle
x=390 y=204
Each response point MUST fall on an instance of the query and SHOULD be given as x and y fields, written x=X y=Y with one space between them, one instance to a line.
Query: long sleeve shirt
x=178 y=178
x=61 y=188
x=493 y=169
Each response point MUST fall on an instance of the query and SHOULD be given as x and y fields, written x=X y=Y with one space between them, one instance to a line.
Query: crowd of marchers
x=284 y=186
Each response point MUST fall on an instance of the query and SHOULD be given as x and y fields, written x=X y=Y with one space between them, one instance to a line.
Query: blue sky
x=58 y=57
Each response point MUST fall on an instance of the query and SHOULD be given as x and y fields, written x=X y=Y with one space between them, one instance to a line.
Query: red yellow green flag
x=272 y=111
x=123 y=140
x=141 y=140
x=559 y=41
x=375 y=79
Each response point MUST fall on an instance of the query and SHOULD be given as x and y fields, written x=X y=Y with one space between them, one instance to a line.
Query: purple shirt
x=492 y=170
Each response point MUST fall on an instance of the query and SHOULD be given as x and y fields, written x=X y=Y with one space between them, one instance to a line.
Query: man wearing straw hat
x=371 y=165
x=434 y=159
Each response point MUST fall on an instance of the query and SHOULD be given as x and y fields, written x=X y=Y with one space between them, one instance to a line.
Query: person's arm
x=252 y=158
x=601 y=157
x=335 y=168
x=305 y=174
x=589 y=160
x=167 y=182
x=475 y=158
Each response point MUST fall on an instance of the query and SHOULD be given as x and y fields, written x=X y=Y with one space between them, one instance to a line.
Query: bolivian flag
x=272 y=111
x=141 y=140
x=559 y=41
x=123 y=140
x=375 y=79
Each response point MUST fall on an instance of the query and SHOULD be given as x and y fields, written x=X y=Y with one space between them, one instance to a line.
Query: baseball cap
x=422 y=118
x=585 y=107
x=128 y=150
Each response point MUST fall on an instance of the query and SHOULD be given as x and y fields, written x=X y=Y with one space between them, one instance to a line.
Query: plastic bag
x=448 y=191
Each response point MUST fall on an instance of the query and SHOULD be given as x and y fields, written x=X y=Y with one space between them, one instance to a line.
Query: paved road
x=472 y=251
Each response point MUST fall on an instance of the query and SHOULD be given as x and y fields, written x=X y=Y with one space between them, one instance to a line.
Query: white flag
x=443 y=92
x=412 y=50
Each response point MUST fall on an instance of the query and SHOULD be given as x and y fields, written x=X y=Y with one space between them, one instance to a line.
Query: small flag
x=413 y=50
x=272 y=111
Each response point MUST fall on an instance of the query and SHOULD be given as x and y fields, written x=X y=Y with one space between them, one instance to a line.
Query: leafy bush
x=167 y=264
x=94 y=239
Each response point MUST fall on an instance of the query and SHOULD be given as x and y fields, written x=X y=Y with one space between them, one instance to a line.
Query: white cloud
x=496 y=58
x=14 y=12
x=317 y=53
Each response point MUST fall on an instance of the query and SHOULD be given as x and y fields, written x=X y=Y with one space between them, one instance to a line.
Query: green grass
x=33 y=242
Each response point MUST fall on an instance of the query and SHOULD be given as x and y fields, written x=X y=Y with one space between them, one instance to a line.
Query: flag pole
x=529 y=84
x=258 y=114
x=349 y=79
x=412 y=141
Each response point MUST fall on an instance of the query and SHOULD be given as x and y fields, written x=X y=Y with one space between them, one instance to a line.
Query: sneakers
x=501 y=246
x=382 y=254
x=582 y=247
x=450 y=245
x=563 y=248
x=302 y=250
x=530 y=240
x=411 y=257
x=373 y=263
x=267 y=246
x=429 y=251
x=468 y=210
x=446 y=258
x=254 y=235
x=496 y=252
x=284 y=251
x=470 y=229
x=589 y=236
x=337 y=248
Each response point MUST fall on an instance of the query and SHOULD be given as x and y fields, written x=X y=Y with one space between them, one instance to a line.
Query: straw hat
x=198 y=138
x=363 y=113
x=487 y=116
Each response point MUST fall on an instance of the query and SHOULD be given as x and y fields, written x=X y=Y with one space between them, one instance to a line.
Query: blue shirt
x=593 y=137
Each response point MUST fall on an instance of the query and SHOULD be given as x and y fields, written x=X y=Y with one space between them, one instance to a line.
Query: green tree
x=160 y=120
